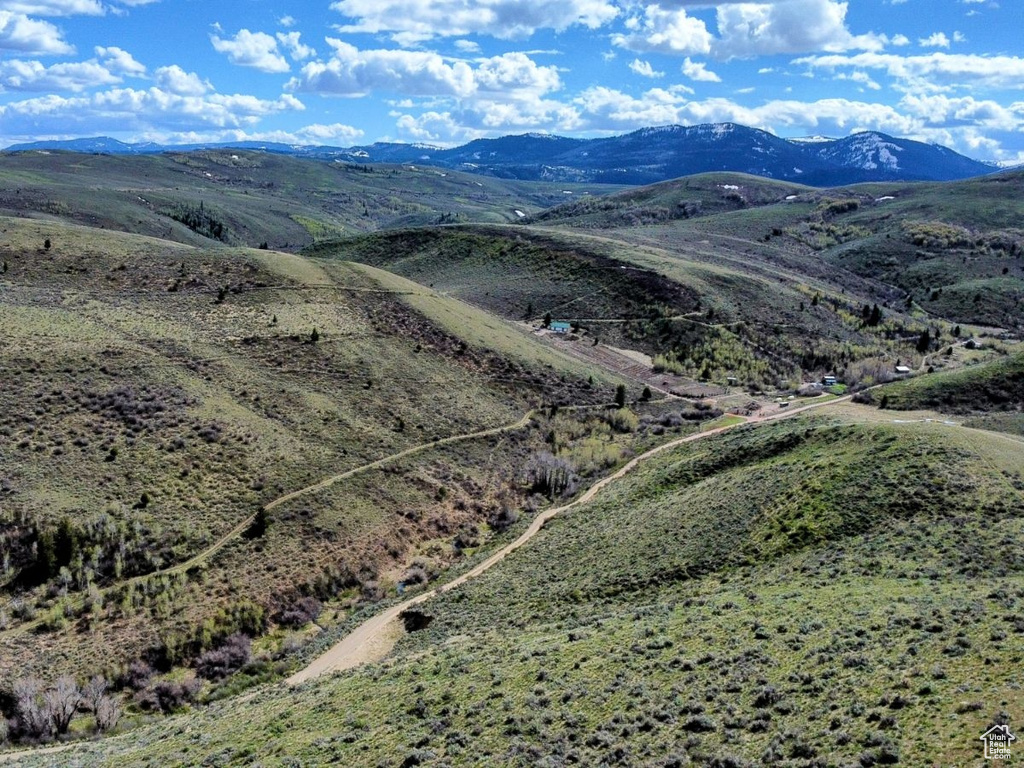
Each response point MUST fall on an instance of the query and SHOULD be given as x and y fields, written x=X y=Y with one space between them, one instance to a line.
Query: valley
x=318 y=462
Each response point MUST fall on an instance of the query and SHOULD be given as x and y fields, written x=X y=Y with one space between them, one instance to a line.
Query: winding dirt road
x=374 y=638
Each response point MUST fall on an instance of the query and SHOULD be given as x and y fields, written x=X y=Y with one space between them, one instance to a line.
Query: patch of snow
x=791 y=197
x=884 y=198
x=798 y=170
x=566 y=191
x=810 y=139
x=718 y=130
x=519 y=213
x=728 y=186
x=234 y=157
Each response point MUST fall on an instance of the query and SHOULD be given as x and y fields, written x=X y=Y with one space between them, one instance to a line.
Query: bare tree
x=108 y=713
x=33 y=720
x=62 y=702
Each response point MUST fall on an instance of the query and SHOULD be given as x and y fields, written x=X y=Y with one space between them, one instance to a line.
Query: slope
x=721 y=606
x=159 y=396
x=251 y=198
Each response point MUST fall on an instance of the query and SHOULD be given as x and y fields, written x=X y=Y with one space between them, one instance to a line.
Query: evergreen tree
x=620 y=396
x=924 y=343
x=876 y=316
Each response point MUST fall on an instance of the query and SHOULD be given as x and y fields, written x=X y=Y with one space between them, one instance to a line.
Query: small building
x=902 y=370
x=559 y=326
x=829 y=381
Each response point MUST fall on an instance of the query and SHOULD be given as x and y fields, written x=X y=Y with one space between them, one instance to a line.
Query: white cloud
x=788 y=26
x=34 y=76
x=296 y=49
x=664 y=31
x=252 y=49
x=899 y=40
x=934 y=71
x=862 y=78
x=133 y=110
x=467 y=46
x=287 y=21
x=54 y=7
x=644 y=69
x=24 y=35
x=176 y=80
x=411 y=21
x=698 y=70
x=119 y=61
x=354 y=72
x=935 y=40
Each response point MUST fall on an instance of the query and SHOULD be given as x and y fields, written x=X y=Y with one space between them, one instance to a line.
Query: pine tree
x=620 y=396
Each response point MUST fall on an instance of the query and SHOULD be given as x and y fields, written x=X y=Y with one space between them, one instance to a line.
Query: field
x=865 y=611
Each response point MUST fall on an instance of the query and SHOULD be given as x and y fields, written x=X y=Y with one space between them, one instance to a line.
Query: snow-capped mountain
x=644 y=156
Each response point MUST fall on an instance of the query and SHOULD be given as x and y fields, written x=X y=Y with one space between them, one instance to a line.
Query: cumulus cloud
x=176 y=80
x=934 y=71
x=412 y=21
x=119 y=61
x=934 y=40
x=354 y=72
x=252 y=49
x=54 y=7
x=788 y=26
x=139 y=111
x=296 y=49
x=644 y=69
x=34 y=76
x=24 y=35
x=664 y=31
x=698 y=70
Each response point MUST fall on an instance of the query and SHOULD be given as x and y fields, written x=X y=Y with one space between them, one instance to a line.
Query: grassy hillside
x=801 y=593
x=953 y=251
x=992 y=386
x=251 y=198
x=707 y=318
x=689 y=197
x=157 y=396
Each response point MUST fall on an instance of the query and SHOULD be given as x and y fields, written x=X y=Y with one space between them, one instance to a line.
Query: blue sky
x=446 y=71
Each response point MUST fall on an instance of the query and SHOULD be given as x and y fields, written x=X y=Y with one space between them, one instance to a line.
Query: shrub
x=232 y=655
x=300 y=613
x=166 y=696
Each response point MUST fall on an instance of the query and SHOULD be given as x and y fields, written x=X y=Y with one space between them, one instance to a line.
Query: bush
x=166 y=696
x=299 y=613
x=231 y=656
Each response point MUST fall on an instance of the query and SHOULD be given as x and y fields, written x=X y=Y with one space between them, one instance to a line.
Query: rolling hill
x=814 y=590
x=216 y=460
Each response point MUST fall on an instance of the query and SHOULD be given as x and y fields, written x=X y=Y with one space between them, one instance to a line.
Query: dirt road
x=374 y=638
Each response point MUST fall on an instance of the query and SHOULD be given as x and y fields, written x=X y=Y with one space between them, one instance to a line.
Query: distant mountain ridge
x=644 y=156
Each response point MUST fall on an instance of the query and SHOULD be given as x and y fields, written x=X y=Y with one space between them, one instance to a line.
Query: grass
x=134 y=367
x=996 y=386
x=673 y=619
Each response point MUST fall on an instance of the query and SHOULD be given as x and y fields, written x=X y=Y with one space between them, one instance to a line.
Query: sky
x=443 y=72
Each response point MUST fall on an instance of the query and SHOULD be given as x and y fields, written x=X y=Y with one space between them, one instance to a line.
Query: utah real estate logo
x=997 y=742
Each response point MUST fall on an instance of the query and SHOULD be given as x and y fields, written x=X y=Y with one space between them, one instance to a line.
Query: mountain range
x=644 y=156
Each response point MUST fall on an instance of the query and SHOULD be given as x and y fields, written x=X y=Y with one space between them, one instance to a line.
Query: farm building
x=559 y=326
x=829 y=381
x=902 y=370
